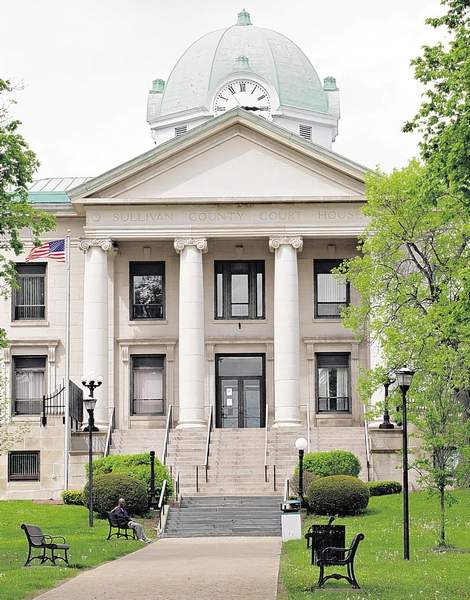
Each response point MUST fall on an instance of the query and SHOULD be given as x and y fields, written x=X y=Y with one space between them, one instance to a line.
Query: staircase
x=207 y=516
x=186 y=449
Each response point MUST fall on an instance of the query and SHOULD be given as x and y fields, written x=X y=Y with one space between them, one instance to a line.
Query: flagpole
x=67 y=363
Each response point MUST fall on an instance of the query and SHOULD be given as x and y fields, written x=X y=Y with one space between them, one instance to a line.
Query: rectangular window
x=23 y=466
x=147 y=290
x=239 y=289
x=333 y=383
x=28 y=300
x=331 y=293
x=180 y=130
x=29 y=375
x=147 y=386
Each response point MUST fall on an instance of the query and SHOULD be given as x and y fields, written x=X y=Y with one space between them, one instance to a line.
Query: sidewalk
x=185 y=568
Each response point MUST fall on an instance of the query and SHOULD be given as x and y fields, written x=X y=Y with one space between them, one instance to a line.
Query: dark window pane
x=148 y=385
x=331 y=293
x=239 y=289
x=147 y=280
x=23 y=466
x=29 y=296
x=259 y=295
x=333 y=382
x=28 y=384
x=240 y=366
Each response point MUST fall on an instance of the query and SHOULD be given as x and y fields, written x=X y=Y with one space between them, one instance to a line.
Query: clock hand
x=255 y=107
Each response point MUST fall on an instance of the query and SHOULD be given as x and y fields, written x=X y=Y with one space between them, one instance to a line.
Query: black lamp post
x=386 y=417
x=404 y=378
x=89 y=403
x=301 y=444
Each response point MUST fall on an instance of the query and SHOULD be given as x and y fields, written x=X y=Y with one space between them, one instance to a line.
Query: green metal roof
x=53 y=190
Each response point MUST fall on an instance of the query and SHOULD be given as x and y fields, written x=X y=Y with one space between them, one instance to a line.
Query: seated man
x=137 y=527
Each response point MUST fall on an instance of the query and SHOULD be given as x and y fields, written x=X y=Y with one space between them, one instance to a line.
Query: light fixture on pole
x=386 y=416
x=404 y=378
x=301 y=444
x=89 y=404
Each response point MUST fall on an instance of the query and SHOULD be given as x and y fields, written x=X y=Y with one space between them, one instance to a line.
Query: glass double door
x=240 y=391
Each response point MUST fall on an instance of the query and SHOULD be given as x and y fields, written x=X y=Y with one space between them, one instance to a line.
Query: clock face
x=245 y=94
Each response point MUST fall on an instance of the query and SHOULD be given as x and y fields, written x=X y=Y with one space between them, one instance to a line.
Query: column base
x=295 y=423
x=191 y=424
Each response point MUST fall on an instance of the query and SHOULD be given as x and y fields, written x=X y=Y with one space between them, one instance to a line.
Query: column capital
x=181 y=243
x=295 y=241
x=105 y=244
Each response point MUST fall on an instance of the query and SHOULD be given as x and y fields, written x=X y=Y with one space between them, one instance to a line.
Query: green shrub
x=72 y=497
x=337 y=495
x=333 y=462
x=383 y=488
x=294 y=482
x=134 y=465
x=109 y=487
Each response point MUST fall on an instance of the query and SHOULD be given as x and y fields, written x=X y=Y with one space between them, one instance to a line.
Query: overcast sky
x=87 y=65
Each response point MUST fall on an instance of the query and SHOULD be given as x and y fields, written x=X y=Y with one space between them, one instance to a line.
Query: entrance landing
x=173 y=569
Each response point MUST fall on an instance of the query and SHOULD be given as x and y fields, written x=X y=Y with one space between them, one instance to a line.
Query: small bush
x=72 y=497
x=333 y=462
x=383 y=488
x=294 y=482
x=109 y=487
x=136 y=466
x=337 y=495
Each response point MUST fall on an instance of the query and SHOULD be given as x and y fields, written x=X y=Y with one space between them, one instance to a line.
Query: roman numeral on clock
x=262 y=96
x=231 y=89
x=242 y=87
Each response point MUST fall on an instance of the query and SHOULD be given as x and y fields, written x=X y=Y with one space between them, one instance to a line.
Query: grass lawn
x=380 y=569
x=89 y=547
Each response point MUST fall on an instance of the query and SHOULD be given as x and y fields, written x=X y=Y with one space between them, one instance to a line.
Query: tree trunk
x=442 y=529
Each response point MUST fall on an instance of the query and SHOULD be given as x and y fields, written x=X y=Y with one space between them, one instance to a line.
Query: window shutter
x=180 y=130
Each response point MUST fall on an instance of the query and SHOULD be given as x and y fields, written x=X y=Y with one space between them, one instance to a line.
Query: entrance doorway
x=240 y=391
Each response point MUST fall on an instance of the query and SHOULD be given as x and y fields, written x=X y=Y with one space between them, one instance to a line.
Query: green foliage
x=383 y=488
x=17 y=166
x=308 y=477
x=73 y=497
x=337 y=495
x=332 y=462
x=109 y=487
x=134 y=465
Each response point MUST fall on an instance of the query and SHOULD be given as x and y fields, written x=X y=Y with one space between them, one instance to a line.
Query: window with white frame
x=331 y=292
x=29 y=384
x=29 y=298
x=148 y=384
x=333 y=382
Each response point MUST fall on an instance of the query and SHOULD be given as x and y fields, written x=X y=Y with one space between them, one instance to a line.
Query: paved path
x=180 y=569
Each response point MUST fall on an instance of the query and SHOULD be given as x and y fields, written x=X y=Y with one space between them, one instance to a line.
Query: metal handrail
x=161 y=504
x=286 y=490
x=169 y=423
x=208 y=441
x=266 y=444
x=109 y=433
x=177 y=486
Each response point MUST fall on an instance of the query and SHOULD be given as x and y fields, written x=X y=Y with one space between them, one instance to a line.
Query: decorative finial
x=244 y=18
x=329 y=84
x=158 y=86
x=242 y=63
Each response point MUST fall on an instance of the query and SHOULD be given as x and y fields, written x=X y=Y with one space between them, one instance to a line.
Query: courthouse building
x=201 y=277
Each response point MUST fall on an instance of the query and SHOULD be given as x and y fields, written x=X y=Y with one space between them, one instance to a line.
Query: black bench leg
x=352 y=576
x=109 y=534
x=321 y=580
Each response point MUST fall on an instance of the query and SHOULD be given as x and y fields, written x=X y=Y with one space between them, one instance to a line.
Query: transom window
x=28 y=384
x=239 y=289
x=147 y=290
x=331 y=293
x=147 y=386
x=333 y=375
x=23 y=466
x=29 y=298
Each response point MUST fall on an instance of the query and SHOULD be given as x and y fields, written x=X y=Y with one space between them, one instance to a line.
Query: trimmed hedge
x=72 y=497
x=333 y=462
x=337 y=495
x=294 y=482
x=383 y=488
x=136 y=466
x=109 y=487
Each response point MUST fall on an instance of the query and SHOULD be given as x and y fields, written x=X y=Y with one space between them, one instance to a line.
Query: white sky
x=87 y=65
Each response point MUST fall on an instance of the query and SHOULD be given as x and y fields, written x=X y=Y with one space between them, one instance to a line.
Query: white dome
x=271 y=56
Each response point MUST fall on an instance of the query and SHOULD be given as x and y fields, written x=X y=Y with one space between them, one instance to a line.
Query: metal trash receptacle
x=327 y=536
x=290 y=520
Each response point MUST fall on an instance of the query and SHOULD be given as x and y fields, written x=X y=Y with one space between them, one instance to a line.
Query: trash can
x=290 y=520
x=327 y=536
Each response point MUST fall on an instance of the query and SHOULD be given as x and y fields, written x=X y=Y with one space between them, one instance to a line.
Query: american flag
x=54 y=250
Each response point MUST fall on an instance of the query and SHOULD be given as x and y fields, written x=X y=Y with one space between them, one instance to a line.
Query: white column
x=95 y=320
x=191 y=332
x=286 y=331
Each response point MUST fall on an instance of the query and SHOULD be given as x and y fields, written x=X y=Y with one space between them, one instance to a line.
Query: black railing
x=54 y=405
x=76 y=405
x=27 y=406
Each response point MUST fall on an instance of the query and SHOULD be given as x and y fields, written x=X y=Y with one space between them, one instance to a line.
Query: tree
x=8 y=435
x=17 y=166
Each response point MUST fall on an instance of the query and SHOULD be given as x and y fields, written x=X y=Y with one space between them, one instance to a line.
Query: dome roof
x=271 y=55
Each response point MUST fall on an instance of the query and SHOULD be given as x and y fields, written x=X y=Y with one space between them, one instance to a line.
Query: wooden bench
x=339 y=557
x=43 y=541
x=120 y=524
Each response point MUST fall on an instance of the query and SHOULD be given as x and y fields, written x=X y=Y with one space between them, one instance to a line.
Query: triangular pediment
x=240 y=158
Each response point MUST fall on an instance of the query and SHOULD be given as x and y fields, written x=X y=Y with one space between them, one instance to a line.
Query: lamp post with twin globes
x=91 y=382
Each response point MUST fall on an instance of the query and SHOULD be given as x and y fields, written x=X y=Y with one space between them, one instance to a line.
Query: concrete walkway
x=180 y=569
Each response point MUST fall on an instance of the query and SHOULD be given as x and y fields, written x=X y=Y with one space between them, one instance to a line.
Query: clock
x=246 y=94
